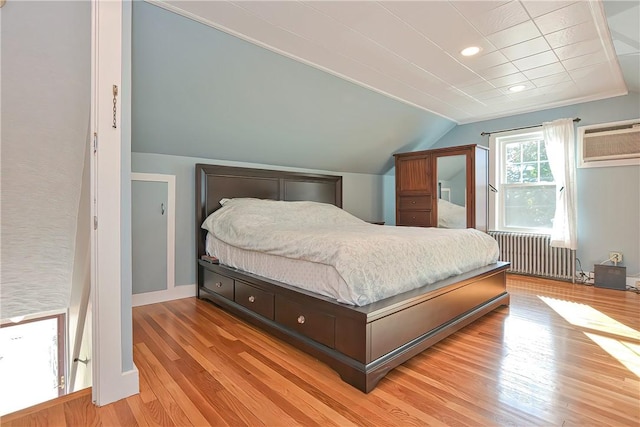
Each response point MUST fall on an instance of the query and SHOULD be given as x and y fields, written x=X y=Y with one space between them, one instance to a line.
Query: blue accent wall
x=608 y=198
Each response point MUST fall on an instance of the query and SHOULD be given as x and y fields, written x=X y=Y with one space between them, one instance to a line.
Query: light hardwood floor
x=560 y=355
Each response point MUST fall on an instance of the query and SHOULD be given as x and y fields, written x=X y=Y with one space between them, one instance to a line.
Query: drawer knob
x=301 y=319
x=252 y=298
x=218 y=284
x=413 y=202
x=413 y=217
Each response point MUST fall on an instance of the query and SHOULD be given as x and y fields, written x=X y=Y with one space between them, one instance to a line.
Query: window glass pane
x=530 y=151
x=530 y=172
x=529 y=207
x=543 y=152
x=513 y=174
x=545 y=172
x=513 y=152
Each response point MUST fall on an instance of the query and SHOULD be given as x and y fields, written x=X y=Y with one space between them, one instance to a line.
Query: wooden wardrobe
x=419 y=178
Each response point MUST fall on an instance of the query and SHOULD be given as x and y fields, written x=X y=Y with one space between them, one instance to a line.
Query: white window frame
x=497 y=144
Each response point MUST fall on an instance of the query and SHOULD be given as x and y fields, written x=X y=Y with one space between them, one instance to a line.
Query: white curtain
x=560 y=144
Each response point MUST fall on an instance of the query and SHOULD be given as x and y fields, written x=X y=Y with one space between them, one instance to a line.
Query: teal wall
x=362 y=196
x=608 y=198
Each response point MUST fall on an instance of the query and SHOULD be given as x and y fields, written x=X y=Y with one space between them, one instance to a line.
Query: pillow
x=248 y=212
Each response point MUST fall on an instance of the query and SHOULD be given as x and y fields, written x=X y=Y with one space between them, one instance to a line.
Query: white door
x=153 y=240
x=149 y=236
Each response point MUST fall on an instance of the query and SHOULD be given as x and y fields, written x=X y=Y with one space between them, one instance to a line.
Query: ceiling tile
x=575 y=14
x=514 y=35
x=498 y=71
x=535 y=61
x=547 y=70
x=451 y=31
x=509 y=80
x=584 y=61
x=578 y=49
x=490 y=94
x=476 y=88
x=571 y=35
x=294 y=17
x=528 y=48
x=481 y=62
x=477 y=7
x=499 y=18
x=537 y=7
x=559 y=88
x=551 y=80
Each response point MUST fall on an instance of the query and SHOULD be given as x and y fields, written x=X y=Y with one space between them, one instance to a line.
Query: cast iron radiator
x=531 y=254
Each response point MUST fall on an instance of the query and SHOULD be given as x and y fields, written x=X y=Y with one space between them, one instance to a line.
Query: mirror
x=452 y=191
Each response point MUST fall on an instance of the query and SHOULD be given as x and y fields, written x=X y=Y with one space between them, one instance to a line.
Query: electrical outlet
x=615 y=257
x=585 y=277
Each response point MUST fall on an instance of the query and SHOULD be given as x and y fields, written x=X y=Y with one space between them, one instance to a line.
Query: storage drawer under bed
x=254 y=299
x=315 y=324
x=218 y=283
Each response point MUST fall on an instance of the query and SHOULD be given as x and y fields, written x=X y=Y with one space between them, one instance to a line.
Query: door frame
x=114 y=375
x=172 y=292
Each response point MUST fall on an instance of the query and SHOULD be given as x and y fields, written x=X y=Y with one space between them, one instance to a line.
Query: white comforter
x=375 y=261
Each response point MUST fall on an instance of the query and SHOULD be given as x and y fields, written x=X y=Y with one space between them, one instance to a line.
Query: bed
x=360 y=342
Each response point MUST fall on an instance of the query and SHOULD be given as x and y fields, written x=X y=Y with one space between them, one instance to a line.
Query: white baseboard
x=184 y=291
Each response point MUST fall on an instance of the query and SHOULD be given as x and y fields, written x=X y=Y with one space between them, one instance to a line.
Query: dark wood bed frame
x=361 y=343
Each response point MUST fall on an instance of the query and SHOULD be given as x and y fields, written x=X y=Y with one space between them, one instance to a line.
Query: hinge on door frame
x=95 y=142
x=95 y=222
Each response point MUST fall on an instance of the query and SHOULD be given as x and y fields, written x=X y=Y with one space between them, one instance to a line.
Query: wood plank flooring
x=561 y=355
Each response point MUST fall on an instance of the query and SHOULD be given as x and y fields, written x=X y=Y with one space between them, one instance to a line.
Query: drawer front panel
x=415 y=218
x=219 y=284
x=254 y=299
x=316 y=325
x=414 y=202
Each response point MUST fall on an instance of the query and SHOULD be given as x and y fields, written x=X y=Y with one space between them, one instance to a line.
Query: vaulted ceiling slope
x=343 y=85
x=200 y=92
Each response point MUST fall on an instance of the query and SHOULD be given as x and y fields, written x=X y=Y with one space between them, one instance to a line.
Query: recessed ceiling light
x=470 y=51
x=517 y=88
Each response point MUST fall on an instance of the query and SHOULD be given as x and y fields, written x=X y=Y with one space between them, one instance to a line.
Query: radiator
x=531 y=254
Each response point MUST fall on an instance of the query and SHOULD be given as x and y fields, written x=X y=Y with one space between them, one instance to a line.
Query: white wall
x=45 y=119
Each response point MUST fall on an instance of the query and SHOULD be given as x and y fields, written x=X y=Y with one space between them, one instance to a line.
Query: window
x=32 y=362
x=526 y=192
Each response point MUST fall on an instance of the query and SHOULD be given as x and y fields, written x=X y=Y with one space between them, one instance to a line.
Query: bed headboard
x=217 y=182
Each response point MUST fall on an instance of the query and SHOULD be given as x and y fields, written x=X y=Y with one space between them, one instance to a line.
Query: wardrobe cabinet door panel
x=413 y=174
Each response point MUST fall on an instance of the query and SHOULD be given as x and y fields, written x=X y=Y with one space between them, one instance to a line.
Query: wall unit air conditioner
x=609 y=144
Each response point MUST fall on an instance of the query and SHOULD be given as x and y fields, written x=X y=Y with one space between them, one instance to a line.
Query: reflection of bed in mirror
x=362 y=343
x=451 y=215
x=451 y=173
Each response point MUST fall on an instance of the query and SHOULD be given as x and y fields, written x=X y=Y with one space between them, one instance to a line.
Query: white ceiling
x=562 y=51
